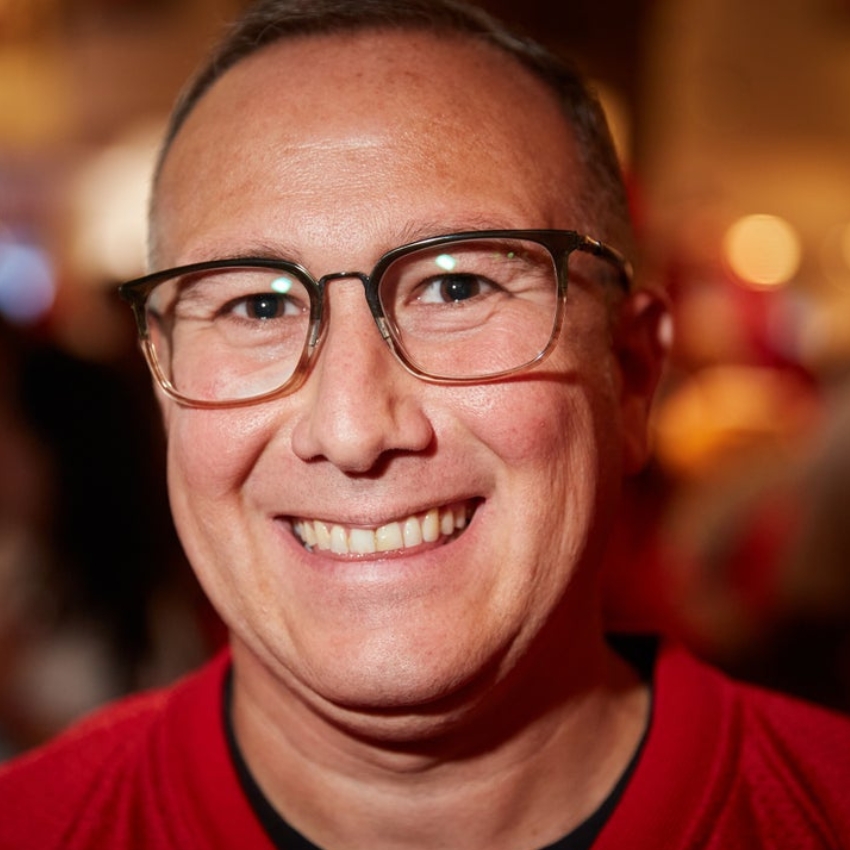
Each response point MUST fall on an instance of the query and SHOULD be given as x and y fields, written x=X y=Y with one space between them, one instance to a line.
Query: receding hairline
x=271 y=21
x=602 y=179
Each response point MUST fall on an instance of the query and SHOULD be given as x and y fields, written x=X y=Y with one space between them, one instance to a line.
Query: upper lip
x=377 y=518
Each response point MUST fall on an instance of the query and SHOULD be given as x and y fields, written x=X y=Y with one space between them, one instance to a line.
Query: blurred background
x=732 y=118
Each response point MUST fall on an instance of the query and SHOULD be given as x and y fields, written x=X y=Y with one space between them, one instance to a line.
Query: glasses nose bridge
x=370 y=291
x=324 y=279
x=364 y=278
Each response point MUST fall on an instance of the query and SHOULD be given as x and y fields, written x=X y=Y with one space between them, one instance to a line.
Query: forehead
x=390 y=125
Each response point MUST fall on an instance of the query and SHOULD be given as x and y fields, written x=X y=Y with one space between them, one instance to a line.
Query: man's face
x=330 y=151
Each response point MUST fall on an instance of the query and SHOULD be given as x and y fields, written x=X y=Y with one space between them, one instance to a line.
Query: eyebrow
x=412 y=231
x=259 y=249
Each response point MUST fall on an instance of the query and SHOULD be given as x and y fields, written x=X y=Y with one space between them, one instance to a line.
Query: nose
x=358 y=404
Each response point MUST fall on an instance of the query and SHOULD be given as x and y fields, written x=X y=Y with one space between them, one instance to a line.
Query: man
x=399 y=502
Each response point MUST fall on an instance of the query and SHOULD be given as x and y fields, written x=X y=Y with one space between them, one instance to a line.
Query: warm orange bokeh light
x=763 y=250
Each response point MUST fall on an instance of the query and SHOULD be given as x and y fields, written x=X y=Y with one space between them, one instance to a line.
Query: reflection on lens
x=282 y=285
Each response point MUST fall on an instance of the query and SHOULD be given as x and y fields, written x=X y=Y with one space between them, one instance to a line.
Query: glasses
x=458 y=309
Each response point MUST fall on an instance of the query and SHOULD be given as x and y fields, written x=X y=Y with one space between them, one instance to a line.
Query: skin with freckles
x=472 y=669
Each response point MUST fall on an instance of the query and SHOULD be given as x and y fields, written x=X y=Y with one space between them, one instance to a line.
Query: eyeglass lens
x=469 y=309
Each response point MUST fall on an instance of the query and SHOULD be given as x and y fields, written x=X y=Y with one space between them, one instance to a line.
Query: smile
x=434 y=526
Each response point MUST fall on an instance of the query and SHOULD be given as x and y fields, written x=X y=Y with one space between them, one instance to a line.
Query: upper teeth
x=402 y=534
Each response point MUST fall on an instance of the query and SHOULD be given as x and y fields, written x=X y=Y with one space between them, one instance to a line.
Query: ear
x=643 y=335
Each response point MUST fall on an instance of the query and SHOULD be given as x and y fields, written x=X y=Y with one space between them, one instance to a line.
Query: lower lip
x=388 y=587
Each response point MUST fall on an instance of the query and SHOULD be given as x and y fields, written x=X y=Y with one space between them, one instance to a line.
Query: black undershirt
x=638 y=651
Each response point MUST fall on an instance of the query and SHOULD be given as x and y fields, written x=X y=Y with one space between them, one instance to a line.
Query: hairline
x=608 y=207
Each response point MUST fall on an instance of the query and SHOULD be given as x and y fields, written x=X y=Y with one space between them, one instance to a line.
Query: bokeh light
x=762 y=250
x=110 y=202
x=27 y=286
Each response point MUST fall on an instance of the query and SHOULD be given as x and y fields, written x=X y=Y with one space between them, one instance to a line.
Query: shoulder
x=88 y=771
x=794 y=753
x=727 y=766
x=779 y=768
x=771 y=725
x=109 y=733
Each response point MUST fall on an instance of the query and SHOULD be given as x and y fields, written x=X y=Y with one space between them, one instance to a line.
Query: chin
x=407 y=712
x=393 y=687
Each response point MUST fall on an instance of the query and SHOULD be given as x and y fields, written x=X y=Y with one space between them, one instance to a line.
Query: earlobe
x=643 y=337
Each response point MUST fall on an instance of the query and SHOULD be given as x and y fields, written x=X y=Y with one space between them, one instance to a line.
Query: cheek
x=514 y=419
x=547 y=421
x=212 y=452
x=210 y=456
x=559 y=441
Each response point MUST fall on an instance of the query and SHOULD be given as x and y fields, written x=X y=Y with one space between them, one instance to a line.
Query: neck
x=520 y=768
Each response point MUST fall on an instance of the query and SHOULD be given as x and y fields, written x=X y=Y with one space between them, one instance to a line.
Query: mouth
x=436 y=526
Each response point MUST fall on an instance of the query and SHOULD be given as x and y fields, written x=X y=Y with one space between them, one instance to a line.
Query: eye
x=264 y=306
x=453 y=288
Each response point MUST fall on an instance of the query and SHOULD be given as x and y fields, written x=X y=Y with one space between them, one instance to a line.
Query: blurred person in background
x=399 y=504
x=94 y=599
x=764 y=585
x=24 y=494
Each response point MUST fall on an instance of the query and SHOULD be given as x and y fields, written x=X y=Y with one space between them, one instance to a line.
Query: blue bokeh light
x=27 y=283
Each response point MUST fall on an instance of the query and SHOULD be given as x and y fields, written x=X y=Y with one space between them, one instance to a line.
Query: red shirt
x=724 y=767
